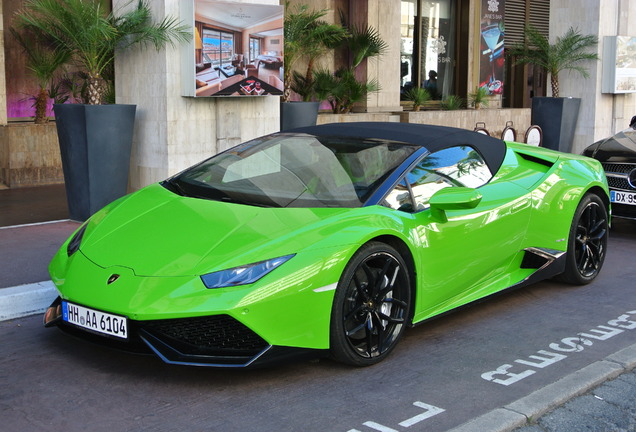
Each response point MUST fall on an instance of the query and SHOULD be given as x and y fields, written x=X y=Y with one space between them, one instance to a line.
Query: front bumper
x=216 y=340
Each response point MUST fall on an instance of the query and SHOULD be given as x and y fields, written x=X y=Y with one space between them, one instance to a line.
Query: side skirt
x=548 y=262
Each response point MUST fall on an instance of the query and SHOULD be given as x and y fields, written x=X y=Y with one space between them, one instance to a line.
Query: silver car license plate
x=91 y=319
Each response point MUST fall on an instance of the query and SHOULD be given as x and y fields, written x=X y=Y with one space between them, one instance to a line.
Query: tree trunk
x=554 y=81
x=40 y=106
x=96 y=90
x=287 y=90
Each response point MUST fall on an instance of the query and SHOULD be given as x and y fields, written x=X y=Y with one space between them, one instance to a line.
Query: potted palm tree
x=343 y=89
x=478 y=98
x=556 y=116
x=418 y=95
x=43 y=63
x=95 y=138
x=307 y=37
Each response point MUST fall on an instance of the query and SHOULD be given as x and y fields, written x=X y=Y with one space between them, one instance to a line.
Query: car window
x=460 y=166
x=400 y=198
x=628 y=133
x=295 y=170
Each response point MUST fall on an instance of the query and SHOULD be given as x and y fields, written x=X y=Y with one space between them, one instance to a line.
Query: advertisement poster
x=491 y=62
x=625 y=81
x=238 y=49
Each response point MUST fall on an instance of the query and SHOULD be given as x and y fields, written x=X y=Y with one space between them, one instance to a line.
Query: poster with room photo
x=238 y=49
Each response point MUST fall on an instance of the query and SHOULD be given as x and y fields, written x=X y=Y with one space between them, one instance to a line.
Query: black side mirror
x=632 y=123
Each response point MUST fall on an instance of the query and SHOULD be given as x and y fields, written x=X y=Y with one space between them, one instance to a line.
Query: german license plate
x=618 y=197
x=97 y=321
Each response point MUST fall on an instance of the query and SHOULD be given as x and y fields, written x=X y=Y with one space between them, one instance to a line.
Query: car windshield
x=628 y=133
x=294 y=170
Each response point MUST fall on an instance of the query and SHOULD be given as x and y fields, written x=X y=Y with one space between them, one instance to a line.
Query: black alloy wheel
x=371 y=306
x=587 y=244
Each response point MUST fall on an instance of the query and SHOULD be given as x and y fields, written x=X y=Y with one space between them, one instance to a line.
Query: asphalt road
x=444 y=373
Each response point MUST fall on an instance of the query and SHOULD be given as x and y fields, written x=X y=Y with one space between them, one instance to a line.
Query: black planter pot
x=557 y=118
x=298 y=114
x=95 y=144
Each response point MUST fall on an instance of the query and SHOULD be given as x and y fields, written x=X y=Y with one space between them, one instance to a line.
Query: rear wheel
x=371 y=306
x=587 y=243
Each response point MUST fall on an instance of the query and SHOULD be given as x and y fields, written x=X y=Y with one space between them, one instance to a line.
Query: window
x=400 y=198
x=255 y=48
x=524 y=81
x=218 y=47
x=460 y=166
x=431 y=36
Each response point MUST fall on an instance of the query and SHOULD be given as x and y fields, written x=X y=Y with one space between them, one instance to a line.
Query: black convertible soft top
x=434 y=138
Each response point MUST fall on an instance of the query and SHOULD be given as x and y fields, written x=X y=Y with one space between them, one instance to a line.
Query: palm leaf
x=365 y=42
x=567 y=53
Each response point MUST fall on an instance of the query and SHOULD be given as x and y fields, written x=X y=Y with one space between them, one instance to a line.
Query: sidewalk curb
x=25 y=300
x=519 y=413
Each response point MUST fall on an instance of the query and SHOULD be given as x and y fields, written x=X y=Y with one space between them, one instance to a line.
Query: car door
x=467 y=252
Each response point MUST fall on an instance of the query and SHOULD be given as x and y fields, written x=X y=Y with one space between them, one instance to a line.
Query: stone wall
x=495 y=120
x=325 y=118
x=29 y=155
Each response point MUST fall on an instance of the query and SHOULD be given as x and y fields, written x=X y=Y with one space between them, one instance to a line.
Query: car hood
x=155 y=232
x=618 y=148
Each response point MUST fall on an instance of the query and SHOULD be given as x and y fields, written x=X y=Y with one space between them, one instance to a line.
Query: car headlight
x=242 y=275
x=74 y=244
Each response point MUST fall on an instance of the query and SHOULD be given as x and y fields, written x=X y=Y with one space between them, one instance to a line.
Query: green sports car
x=327 y=240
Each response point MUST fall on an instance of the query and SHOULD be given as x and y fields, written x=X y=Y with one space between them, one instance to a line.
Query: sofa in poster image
x=208 y=81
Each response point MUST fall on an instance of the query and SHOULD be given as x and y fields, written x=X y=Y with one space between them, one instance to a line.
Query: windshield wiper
x=174 y=186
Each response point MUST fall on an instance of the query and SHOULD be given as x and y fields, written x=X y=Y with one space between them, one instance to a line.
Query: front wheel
x=371 y=306
x=587 y=243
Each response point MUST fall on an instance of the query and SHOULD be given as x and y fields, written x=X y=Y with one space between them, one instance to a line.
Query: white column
x=384 y=16
x=601 y=114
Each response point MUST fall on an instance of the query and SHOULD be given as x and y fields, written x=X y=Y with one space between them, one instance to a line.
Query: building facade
x=451 y=47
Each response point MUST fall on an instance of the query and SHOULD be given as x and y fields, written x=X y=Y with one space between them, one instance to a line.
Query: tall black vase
x=557 y=118
x=95 y=145
x=298 y=114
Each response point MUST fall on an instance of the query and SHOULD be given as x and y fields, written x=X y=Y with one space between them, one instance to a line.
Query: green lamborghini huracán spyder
x=329 y=241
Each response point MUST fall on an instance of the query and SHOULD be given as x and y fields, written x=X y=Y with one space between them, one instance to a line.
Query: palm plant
x=365 y=42
x=90 y=35
x=341 y=89
x=478 y=98
x=307 y=36
x=43 y=62
x=452 y=102
x=418 y=96
x=567 y=53
x=303 y=87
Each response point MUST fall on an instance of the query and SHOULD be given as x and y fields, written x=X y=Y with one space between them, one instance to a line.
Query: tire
x=371 y=306
x=587 y=242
